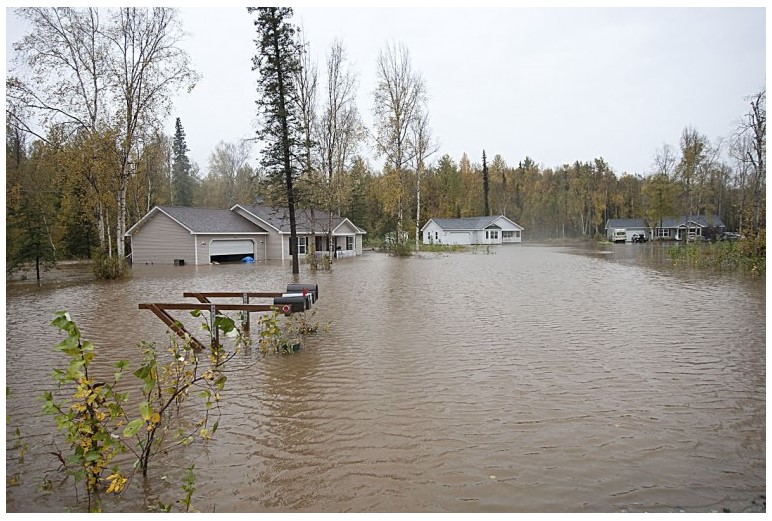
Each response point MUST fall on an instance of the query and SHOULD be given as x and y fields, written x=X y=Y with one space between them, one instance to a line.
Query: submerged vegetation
x=173 y=402
x=748 y=255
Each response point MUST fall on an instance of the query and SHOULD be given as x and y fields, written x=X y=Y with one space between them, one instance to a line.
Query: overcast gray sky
x=555 y=84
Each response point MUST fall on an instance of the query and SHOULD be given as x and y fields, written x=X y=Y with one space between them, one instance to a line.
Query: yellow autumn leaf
x=156 y=418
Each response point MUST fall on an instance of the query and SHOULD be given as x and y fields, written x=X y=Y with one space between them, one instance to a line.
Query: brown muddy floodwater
x=530 y=379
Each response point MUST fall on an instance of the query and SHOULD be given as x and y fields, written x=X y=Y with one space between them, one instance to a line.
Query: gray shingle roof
x=279 y=218
x=209 y=220
x=466 y=223
x=705 y=221
x=626 y=223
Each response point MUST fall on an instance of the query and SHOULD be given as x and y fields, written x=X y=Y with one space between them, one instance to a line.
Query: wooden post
x=214 y=330
x=245 y=300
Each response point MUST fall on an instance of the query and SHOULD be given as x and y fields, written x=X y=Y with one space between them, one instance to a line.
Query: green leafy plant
x=95 y=416
x=90 y=417
x=188 y=486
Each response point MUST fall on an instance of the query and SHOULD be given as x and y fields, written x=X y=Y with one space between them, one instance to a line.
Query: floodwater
x=526 y=378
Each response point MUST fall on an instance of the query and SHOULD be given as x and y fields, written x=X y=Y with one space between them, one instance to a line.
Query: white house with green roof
x=492 y=229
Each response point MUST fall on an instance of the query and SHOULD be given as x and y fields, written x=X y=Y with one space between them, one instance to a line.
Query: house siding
x=159 y=238
x=433 y=234
x=161 y=241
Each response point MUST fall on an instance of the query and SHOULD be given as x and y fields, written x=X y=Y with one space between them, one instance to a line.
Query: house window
x=428 y=236
x=663 y=232
x=494 y=234
x=349 y=243
x=302 y=245
x=436 y=236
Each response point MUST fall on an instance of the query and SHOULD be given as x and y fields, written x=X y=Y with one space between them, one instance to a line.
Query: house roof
x=705 y=221
x=278 y=218
x=626 y=223
x=469 y=223
x=202 y=220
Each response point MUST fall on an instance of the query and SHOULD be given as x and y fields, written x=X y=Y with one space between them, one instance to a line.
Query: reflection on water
x=538 y=378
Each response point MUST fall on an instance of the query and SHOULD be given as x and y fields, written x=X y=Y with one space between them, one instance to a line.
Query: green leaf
x=143 y=372
x=145 y=410
x=195 y=313
x=92 y=455
x=132 y=428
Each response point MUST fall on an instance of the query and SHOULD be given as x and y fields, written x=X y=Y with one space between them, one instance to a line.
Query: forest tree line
x=86 y=157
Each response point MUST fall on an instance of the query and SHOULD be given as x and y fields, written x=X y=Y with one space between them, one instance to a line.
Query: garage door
x=231 y=247
x=459 y=238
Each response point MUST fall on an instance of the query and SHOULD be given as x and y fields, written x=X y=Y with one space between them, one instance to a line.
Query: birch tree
x=424 y=146
x=399 y=95
x=102 y=73
x=339 y=133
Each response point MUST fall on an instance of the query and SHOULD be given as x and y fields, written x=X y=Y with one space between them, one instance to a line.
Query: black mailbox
x=295 y=303
x=308 y=288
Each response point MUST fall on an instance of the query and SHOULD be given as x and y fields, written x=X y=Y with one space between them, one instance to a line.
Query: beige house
x=187 y=235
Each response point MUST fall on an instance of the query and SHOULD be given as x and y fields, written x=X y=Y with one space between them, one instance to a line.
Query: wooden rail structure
x=297 y=299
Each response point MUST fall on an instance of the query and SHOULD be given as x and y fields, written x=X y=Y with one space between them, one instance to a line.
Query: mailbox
x=308 y=288
x=297 y=303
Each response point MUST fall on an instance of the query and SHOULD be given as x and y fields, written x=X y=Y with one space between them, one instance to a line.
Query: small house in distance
x=492 y=229
x=689 y=227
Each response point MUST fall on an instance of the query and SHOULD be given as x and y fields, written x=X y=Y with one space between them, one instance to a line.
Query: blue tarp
x=247 y=259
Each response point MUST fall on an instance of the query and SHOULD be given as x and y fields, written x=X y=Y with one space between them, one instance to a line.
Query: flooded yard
x=532 y=378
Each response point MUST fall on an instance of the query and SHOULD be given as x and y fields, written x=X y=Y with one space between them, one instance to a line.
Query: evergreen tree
x=485 y=185
x=182 y=179
x=278 y=64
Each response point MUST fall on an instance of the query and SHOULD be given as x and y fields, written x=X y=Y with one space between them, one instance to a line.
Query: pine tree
x=182 y=180
x=278 y=64
x=485 y=185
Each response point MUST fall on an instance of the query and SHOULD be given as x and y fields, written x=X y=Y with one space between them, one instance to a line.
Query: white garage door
x=231 y=247
x=459 y=238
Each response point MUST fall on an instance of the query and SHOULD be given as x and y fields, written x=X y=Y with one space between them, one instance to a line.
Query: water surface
x=531 y=379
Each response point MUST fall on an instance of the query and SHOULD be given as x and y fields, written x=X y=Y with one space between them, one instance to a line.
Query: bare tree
x=149 y=67
x=339 y=133
x=109 y=77
x=399 y=95
x=755 y=124
x=225 y=163
x=665 y=161
x=305 y=99
x=424 y=146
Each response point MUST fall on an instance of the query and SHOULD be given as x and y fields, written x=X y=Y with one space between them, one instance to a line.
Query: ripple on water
x=535 y=379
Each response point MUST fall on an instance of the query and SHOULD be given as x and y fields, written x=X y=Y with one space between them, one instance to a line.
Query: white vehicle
x=620 y=235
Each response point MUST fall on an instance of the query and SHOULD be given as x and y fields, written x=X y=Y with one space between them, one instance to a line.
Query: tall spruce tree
x=182 y=180
x=485 y=185
x=278 y=64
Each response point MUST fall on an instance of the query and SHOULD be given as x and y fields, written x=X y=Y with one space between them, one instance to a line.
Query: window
x=428 y=236
x=494 y=234
x=436 y=236
x=663 y=232
x=302 y=245
x=349 y=242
